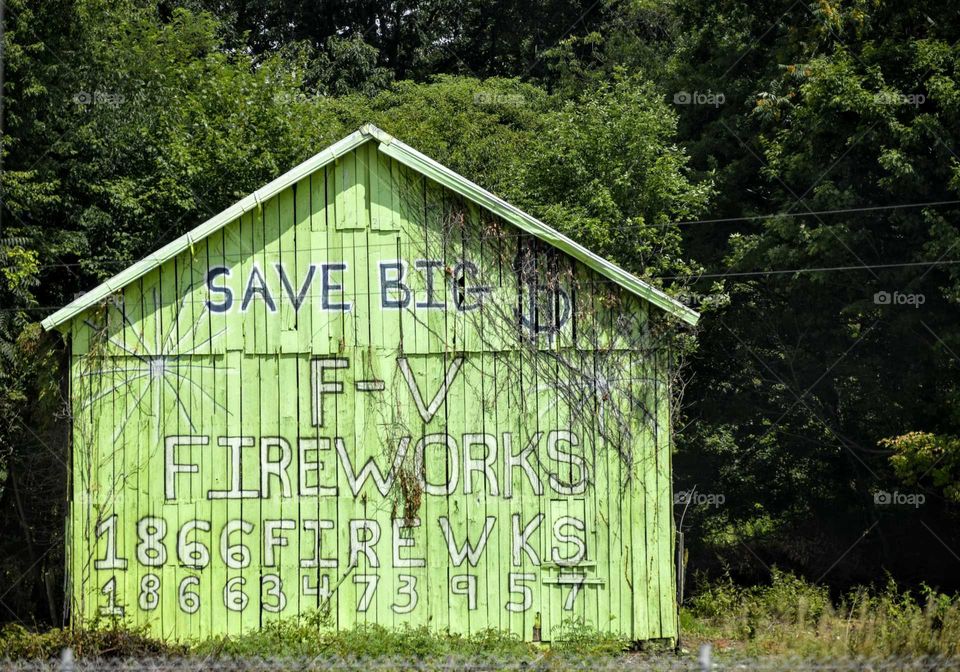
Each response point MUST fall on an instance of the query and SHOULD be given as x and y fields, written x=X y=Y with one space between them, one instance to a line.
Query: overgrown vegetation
x=786 y=616
x=307 y=636
x=100 y=640
x=792 y=616
x=304 y=638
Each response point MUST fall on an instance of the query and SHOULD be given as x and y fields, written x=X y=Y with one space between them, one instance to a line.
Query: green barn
x=372 y=392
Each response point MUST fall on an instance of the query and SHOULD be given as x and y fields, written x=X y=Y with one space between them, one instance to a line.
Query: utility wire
x=622 y=227
x=810 y=213
x=807 y=270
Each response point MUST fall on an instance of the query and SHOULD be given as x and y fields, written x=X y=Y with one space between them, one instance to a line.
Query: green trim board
x=411 y=158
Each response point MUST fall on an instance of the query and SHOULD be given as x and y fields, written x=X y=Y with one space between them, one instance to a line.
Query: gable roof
x=411 y=158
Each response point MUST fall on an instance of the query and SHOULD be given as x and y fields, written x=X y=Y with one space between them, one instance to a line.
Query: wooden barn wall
x=226 y=404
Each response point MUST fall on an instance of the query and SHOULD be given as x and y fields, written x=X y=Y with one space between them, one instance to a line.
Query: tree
x=836 y=107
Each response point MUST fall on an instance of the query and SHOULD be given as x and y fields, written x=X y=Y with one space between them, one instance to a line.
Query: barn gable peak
x=411 y=158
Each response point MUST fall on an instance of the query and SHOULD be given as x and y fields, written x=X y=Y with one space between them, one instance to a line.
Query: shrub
x=103 y=640
x=793 y=616
x=574 y=637
x=307 y=637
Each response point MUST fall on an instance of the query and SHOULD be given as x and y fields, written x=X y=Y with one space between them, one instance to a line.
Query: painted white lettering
x=370 y=468
x=370 y=581
x=365 y=545
x=453 y=464
x=321 y=591
x=572 y=487
x=428 y=411
x=516 y=583
x=235 y=444
x=522 y=460
x=408 y=589
x=467 y=551
x=274 y=589
x=317 y=526
x=234 y=598
x=483 y=464
x=521 y=539
x=193 y=554
x=306 y=466
x=322 y=387
x=562 y=537
x=271 y=540
x=400 y=542
x=172 y=467
x=465 y=584
x=278 y=468
x=110 y=558
x=151 y=551
x=235 y=556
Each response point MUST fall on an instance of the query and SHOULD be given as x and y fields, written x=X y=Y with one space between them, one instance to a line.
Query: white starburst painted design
x=143 y=368
x=604 y=386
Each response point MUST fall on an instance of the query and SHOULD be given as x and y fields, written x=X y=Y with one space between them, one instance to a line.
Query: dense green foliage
x=128 y=122
x=849 y=105
x=927 y=460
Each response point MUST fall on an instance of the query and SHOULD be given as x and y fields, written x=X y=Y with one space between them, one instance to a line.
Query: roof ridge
x=410 y=157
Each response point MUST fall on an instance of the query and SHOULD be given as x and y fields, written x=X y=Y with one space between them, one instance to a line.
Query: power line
x=811 y=213
x=806 y=270
x=622 y=227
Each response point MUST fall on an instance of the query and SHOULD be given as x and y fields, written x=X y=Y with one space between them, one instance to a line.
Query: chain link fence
x=548 y=662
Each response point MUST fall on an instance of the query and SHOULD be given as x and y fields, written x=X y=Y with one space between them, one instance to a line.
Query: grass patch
x=290 y=638
x=793 y=617
x=575 y=638
x=308 y=637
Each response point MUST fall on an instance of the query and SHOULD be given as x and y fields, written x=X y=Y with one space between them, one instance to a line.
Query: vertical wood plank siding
x=368 y=399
